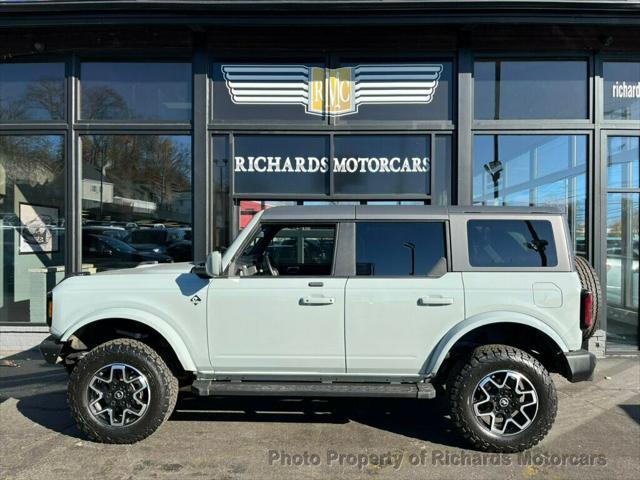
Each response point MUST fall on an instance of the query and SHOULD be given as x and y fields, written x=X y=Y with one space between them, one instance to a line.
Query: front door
x=402 y=299
x=280 y=310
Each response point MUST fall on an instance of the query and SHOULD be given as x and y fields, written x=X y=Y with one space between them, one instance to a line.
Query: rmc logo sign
x=332 y=92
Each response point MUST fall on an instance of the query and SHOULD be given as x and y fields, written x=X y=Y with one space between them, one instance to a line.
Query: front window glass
x=32 y=222
x=31 y=92
x=511 y=243
x=280 y=250
x=136 y=91
x=534 y=170
x=401 y=249
x=136 y=200
x=530 y=89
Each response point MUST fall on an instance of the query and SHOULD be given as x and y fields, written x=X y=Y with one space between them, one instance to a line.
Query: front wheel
x=502 y=399
x=121 y=392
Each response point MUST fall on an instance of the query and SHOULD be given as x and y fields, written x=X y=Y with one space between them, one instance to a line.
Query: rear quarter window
x=511 y=243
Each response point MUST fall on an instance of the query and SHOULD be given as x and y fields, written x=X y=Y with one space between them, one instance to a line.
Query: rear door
x=403 y=298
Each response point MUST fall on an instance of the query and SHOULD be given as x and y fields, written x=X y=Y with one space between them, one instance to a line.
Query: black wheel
x=589 y=281
x=502 y=399
x=121 y=392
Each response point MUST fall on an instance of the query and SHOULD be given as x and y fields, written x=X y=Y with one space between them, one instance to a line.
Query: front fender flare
x=437 y=357
x=146 y=318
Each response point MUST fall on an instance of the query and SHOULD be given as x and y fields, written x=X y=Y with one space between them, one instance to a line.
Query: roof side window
x=400 y=249
x=511 y=243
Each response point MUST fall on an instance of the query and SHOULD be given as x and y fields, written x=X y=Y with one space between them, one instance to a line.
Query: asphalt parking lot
x=596 y=435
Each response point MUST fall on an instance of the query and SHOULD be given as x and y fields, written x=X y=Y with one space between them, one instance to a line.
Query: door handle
x=435 y=301
x=317 y=301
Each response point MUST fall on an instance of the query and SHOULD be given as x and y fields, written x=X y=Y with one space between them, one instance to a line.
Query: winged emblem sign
x=332 y=91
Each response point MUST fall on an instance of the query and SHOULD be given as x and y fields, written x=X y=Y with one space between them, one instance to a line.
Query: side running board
x=204 y=387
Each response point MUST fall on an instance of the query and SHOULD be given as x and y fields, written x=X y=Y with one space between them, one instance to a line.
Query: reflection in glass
x=249 y=208
x=624 y=162
x=136 y=189
x=534 y=170
x=623 y=223
x=31 y=91
x=220 y=188
x=136 y=91
x=544 y=89
x=32 y=220
x=622 y=270
x=621 y=90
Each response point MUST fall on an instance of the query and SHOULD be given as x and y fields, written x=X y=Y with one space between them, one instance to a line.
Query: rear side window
x=399 y=248
x=511 y=243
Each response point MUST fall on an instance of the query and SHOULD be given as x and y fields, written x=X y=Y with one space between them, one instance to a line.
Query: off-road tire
x=482 y=361
x=589 y=281
x=163 y=386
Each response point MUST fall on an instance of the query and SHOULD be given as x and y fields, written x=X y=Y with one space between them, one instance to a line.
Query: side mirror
x=213 y=264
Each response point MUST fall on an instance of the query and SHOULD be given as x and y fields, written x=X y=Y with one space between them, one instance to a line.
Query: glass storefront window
x=530 y=89
x=269 y=92
x=249 y=208
x=136 y=200
x=382 y=164
x=32 y=92
x=530 y=170
x=621 y=90
x=623 y=236
x=391 y=91
x=220 y=191
x=32 y=221
x=622 y=161
x=135 y=91
x=281 y=164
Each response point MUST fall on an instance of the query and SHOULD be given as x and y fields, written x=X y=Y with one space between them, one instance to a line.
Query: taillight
x=49 y=308
x=586 y=309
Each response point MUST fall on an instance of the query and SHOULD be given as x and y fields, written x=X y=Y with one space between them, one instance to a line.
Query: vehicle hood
x=155 y=269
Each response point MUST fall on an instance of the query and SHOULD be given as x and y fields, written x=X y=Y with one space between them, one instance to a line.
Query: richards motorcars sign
x=333 y=92
x=269 y=164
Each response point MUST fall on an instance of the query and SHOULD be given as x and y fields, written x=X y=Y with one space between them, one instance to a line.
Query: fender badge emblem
x=195 y=300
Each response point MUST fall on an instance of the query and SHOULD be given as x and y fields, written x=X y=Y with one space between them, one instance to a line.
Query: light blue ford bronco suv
x=475 y=303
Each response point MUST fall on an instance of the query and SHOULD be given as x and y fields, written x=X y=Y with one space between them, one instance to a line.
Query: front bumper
x=50 y=349
x=580 y=365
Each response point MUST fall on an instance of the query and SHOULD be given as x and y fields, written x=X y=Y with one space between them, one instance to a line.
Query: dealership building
x=137 y=131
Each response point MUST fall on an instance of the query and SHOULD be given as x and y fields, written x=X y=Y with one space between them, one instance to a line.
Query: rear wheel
x=121 y=392
x=502 y=399
x=589 y=281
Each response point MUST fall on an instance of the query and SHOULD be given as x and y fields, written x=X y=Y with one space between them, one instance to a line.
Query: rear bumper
x=50 y=349
x=580 y=365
